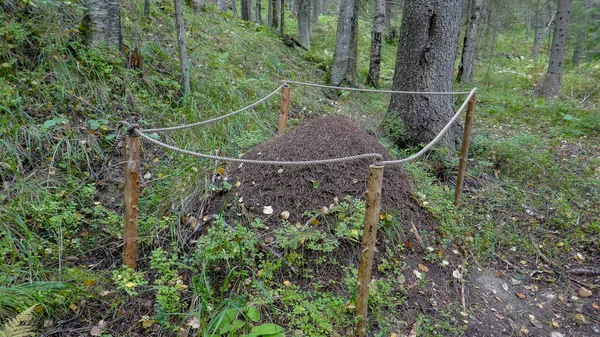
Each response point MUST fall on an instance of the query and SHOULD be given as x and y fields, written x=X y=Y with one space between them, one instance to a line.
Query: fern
x=19 y=326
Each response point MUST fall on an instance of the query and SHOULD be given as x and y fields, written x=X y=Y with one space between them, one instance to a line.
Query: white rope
x=435 y=140
x=137 y=132
x=378 y=91
x=212 y=120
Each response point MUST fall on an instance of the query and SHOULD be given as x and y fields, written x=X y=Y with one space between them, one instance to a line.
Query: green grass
x=60 y=208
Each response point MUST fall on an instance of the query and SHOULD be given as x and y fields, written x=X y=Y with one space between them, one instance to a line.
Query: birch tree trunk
x=183 y=60
x=467 y=60
x=425 y=62
x=103 y=23
x=304 y=23
x=376 y=36
x=341 y=54
x=551 y=86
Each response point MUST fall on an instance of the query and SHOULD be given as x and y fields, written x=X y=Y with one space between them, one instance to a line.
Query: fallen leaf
x=314 y=222
x=595 y=306
x=302 y=239
x=521 y=296
x=524 y=330
x=193 y=322
x=73 y=306
x=580 y=317
x=417 y=273
x=505 y=287
x=146 y=322
x=287 y=283
x=498 y=316
x=555 y=324
x=456 y=273
x=238 y=184
x=89 y=282
x=130 y=285
x=423 y=268
x=350 y=306
x=268 y=210
x=584 y=292
x=98 y=329
x=220 y=170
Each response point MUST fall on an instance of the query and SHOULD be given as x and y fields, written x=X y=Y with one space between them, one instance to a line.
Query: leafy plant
x=19 y=325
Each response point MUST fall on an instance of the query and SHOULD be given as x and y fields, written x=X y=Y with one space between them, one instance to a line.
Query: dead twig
x=583 y=271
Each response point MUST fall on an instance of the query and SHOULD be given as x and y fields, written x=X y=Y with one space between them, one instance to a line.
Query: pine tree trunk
x=274 y=13
x=581 y=35
x=183 y=60
x=103 y=23
x=304 y=23
x=222 y=5
x=551 y=86
x=537 y=34
x=341 y=55
x=425 y=62
x=246 y=12
x=352 y=70
x=376 y=36
x=315 y=10
x=388 y=14
x=465 y=69
x=282 y=17
x=258 y=11
x=294 y=9
x=198 y=5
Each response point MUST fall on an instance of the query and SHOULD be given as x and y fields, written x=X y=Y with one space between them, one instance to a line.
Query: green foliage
x=128 y=280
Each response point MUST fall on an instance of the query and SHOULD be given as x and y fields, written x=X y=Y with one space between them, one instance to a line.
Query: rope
x=379 y=91
x=212 y=120
x=435 y=140
x=260 y=162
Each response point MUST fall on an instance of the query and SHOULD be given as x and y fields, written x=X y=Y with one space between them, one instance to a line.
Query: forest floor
x=219 y=255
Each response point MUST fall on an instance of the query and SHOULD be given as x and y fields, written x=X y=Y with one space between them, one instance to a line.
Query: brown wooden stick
x=373 y=201
x=284 y=110
x=132 y=173
x=464 y=151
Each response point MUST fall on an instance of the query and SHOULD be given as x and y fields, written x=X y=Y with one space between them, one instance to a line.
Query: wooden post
x=373 y=200
x=284 y=110
x=464 y=150
x=132 y=173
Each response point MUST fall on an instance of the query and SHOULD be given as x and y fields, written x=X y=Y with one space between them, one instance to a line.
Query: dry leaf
x=505 y=287
x=287 y=283
x=302 y=239
x=73 y=306
x=284 y=215
x=89 y=282
x=498 y=316
x=456 y=273
x=555 y=324
x=130 y=285
x=580 y=317
x=584 y=292
x=417 y=273
x=268 y=210
x=524 y=330
x=193 y=322
x=314 y=222
x=146 y=322
x=220 y=170
x=595 y=306
x=238 y=184
x=98 y=329
x=423 y=268
x=521 y=296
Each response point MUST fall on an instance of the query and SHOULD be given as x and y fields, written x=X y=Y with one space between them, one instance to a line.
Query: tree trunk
x=425 y=62
x=537 y=33
x=315 y=10
x=246 y=11
x=352 y=70
x=222 y=5
x=304 y=23
x=581 y=33
x=551 y=86
x=341 y=55
x=282 y=17
x=274 y=13
x=467 y=60
x=376 y=35
x=388 y=14
x=103 y=23
x=185 y=67
x=294 y=9
x=258 y=11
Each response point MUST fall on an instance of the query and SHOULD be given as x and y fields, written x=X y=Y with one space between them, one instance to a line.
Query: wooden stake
x=373 y=200
x=284 y=110
x=132 y=173
x=464 y=150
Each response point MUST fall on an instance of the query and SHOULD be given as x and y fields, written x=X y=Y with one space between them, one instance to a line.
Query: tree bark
x=294 y=9
x=352 y=70
x=316 y=10
x=183 y=59
x=465 y=69
x=222 y=5
x=341 y=54
x=258 y=11
x=274 y=13
x=551 y=86
x=425 y=62
x=282 y=17
x=376 y=36
x=304 y=23
x=539 y=23
x=103 y=23
x=388 y=14
x=246 y=11
x=581 y=33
